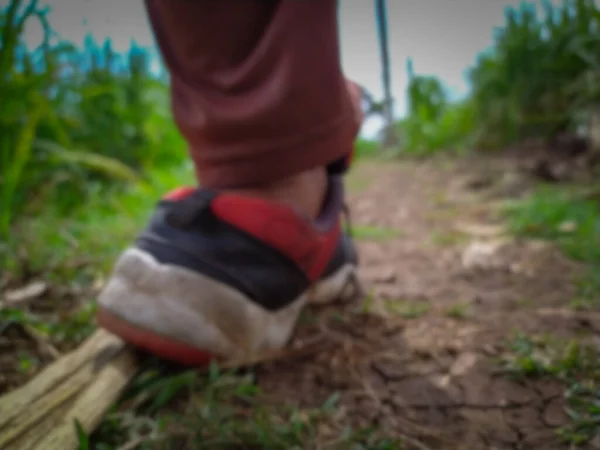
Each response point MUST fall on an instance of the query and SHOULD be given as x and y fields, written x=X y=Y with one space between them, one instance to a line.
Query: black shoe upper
x=187 y=233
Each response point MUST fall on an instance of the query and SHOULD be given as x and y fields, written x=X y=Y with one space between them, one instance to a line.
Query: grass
x=163 y=408
x=565 y=216
x=447 y=238
x=94 y=233
x=356 y=183
x=576 y=364
x=407 y=309
x=459 y=310
x=224 y=410
x=64 y=328
x=166 y=409
x=372 y=233
x=73 y=253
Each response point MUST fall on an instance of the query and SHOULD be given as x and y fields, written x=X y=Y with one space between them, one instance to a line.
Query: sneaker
x=222 y=275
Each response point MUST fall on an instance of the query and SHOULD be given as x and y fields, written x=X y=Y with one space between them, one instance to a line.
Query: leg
x=225 y=269
x=257 y=86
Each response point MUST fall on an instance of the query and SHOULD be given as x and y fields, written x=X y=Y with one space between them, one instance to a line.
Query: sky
x=443 y=37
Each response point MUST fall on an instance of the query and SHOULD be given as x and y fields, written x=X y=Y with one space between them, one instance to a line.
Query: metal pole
x=382 y=31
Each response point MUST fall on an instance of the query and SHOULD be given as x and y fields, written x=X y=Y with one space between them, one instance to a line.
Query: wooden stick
x=82 y=385
x=90 y=407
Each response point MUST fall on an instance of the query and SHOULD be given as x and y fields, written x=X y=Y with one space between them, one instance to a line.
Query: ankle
x=305 y=191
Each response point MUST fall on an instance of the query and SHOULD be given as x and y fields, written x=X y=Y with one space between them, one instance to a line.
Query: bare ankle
x=305 y=191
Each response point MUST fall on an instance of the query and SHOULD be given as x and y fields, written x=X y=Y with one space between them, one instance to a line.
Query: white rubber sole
x=203 y=313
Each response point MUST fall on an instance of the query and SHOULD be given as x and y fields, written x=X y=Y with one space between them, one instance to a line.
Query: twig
x=23 y=294
x=42 y=342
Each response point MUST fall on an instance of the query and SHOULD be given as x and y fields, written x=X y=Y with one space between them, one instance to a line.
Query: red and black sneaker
x=218 y=274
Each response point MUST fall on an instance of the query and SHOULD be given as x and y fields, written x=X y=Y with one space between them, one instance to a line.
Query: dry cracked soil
x=447 y=289
x=419 y=357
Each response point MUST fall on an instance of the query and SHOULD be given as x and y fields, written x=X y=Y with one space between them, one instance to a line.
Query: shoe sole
x=189 y=318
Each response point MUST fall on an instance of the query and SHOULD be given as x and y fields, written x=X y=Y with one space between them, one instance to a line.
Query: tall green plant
x=541 y=72
x=433 y=122
x=21 y=107
x=74 y=118
x=540 y=78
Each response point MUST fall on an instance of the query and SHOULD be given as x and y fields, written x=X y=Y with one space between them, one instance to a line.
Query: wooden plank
x=81 y=385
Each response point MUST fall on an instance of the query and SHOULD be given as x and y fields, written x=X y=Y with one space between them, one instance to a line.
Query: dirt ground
x=419 y=358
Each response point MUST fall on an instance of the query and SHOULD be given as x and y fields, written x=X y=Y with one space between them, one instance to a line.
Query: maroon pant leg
x=257 y=87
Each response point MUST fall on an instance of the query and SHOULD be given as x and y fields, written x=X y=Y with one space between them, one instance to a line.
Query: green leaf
x=108 y=166
x=83 y=440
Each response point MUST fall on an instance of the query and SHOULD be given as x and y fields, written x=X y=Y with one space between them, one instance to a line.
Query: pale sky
x=442 y=37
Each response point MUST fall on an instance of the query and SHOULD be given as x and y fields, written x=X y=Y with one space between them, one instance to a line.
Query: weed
x=64 y=133
x=83 y=235
x=459 y=310
x=368 y=303
x=447 y=238
x=407 y=309
x=364 y=148
x=575 y=364
x=372 y=233
x=555 y=214
x=524 y=302
x=224 y=410
x=27 y=363
x=355 y=183
x=563 y=216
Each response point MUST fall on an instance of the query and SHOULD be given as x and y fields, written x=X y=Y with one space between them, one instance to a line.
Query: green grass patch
x=407 y=309
x=163 y=408
x=460 y=310
x=372 y=233
x=356 y=182
x=365 y=148
x=71 y=253
x=222 y=410
x=448 y=238
x=576 y=365
x=555 y=213
x=94 y=233
x=562 y=215
x=64 y=328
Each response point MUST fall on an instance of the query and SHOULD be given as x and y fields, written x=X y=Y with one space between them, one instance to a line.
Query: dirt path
x=443 y=352
x=421 y=358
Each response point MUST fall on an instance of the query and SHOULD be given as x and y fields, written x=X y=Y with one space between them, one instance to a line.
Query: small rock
x=463 y=364
x=520 y=268
x=482 y=255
